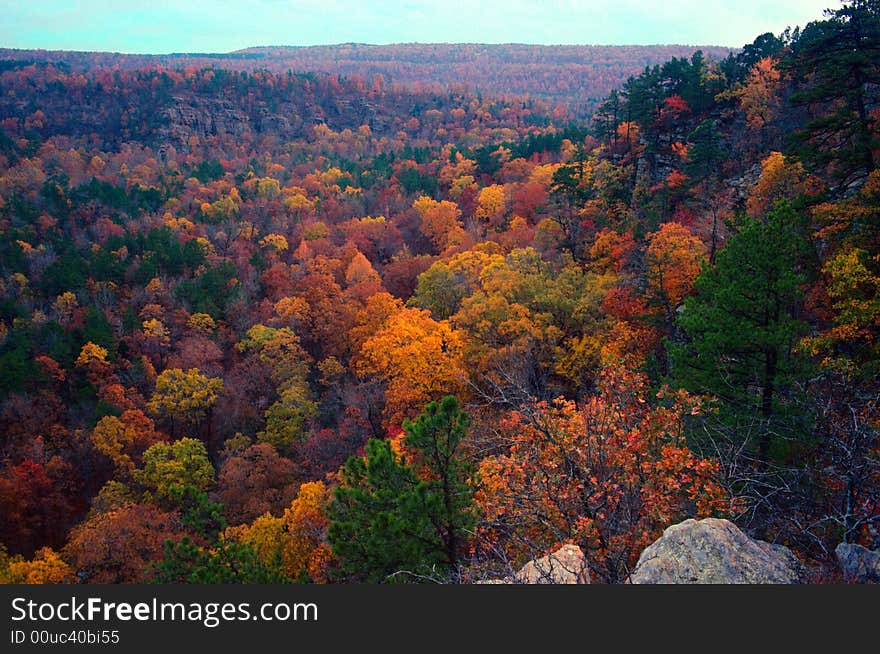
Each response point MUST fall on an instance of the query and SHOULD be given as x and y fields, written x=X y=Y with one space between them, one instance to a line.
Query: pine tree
x=436 y=436
x=225 y=562
x=387 y=519
x=839 y=59
x=743 y=322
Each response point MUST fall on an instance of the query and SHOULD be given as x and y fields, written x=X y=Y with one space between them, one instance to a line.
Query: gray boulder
x=714 y=551
x=859 y=564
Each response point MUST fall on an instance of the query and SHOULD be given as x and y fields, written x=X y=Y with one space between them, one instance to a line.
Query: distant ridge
x=575 y=76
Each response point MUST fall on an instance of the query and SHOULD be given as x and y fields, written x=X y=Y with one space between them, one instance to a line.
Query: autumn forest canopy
x=428 y=312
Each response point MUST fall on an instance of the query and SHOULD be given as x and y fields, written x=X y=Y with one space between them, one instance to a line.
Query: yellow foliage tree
x=121 y=438
x=781 y=179
x=287 y=417
x=91 y=354
x=491 y=205
x=280 y=349
x=65 y=304
x=297 y=539
x=202 y=323
x=276 y=242
x=46 y=567
x=268 y=188
x=155 y=329
x=184 y=396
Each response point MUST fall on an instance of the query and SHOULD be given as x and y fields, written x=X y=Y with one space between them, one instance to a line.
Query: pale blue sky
x=162 y=26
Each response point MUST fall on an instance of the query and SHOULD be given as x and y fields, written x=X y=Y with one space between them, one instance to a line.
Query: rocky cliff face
x=159 y=113
x=202 y=118
x=714 y=551
x=205 y=116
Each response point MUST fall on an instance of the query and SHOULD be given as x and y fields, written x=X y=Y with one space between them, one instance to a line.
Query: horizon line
x=245 y=50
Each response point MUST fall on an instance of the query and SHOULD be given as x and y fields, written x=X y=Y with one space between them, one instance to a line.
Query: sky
x=164 y=26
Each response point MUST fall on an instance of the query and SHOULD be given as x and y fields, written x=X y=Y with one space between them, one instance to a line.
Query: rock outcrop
x=567 y=565
x=859 y=564
x=714 y=551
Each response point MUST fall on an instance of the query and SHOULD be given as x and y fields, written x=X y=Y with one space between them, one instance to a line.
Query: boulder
x=714 y=551
x=567 y=565
x=859 y=564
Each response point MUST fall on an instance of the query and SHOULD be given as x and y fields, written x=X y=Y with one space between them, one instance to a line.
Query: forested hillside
x=574 y=78
x=265 y=326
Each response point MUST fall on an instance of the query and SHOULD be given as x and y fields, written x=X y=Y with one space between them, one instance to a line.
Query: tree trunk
x=770 y=364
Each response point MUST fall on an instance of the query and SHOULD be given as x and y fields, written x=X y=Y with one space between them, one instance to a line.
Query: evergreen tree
x=839 y=59
x=436 y=436
x=705 y=151
x=736 y=67
x=606 y=119
x=225 y=562
x=743 y=322
x=706 y=155
x=387 y=519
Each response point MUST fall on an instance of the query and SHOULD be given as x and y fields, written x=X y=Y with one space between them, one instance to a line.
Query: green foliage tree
x=374 y=531
x=387 y=519
x=436 y=437
x=737 y=66
x=439 y=289
x=705 y=153
x=839 y=60
x=198 y=512
x=606 y=119
x=212 y=291
x=743 y=322
x=226 y=562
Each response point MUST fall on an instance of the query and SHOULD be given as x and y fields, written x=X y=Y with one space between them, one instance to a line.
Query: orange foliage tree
x=759 y=95
x=120 y=546
x=440 y=222
x=609 y=476
x=673 y=261
x=419 y=358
